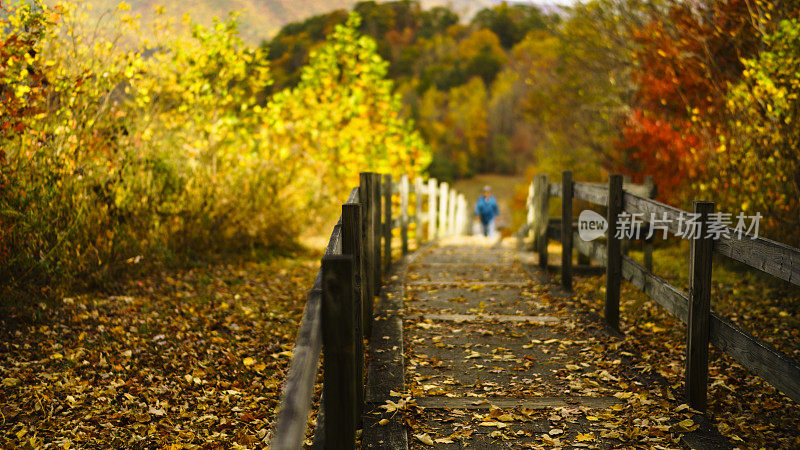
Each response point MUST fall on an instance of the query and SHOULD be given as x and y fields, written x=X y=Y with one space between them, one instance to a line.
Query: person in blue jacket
x=486 y=210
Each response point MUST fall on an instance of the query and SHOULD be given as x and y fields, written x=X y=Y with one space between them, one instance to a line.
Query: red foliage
x=660 y=150
x=684 y=65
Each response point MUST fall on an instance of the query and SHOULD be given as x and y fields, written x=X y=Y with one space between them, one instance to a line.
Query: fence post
x=648 y=243
x=338 y=343
x=443 y=195
x=542 y=212
x=366 y=198
x=404 y=213
x=387 y=223
x=530 y=219
x=352 y=246
x=699 y=310
x=418 y=188
x=451 y=213
x=432 y=193
x=461 y=226
x=376 y=230
x=614 y=249
x=566 y=229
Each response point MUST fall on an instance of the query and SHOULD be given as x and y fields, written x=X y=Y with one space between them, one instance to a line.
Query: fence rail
x=693 y=308
x=339 y=309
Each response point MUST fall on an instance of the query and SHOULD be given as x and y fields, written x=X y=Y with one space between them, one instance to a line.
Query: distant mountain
x=261 y=19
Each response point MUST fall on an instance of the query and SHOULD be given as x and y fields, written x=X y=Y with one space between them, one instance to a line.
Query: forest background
x=128 y=142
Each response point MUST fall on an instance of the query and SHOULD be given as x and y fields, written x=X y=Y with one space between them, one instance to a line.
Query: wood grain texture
x=352 y=246
x=376 y=239
x=701 y=253
x=444 y=195
x=566 y=229
x=766 y=255
x=542 y=211
x=591 y=193
x=403 y=215
x=338 y=343
x=418 y=217
x=613 y=252
x=290 y=427
x=759 y=358
x=387 y=225
x=432 y=196
x=675 y=301
x=367 y=200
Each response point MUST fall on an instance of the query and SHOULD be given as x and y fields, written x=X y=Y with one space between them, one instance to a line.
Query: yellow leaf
x=248 y=361
x=585 y=437
x=686 y=423
x=424 y=438
x=9 y=382
x=383 y=421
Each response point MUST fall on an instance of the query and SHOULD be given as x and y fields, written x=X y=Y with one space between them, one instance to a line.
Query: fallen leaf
x=424 y=438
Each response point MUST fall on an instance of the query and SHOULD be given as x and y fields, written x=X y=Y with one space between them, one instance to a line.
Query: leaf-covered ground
x=484 y=382
x=743 y=407
x=189 y=358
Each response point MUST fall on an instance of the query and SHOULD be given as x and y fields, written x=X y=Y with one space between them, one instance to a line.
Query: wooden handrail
x=371 y=223
x=704 y=325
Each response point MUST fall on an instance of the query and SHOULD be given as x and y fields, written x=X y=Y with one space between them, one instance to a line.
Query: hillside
x=261 y=19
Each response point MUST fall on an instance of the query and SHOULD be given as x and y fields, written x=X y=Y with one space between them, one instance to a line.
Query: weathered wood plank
x=594 y=249
x=542 y=211
x=766 y=255
x=368 y=223
x=613 y=252
x=566 y=229
x=451 y=213
x=387 y=225
x=376 y=239
x=476 y=403
x=645 y=206
x=675 y=301
x=555 y=189
x=443 y=197
x=352 y=246
x=701 y=253
x=432 y=195
x=290 y=428
x=759 y=358
x=403 y=214
x=338 y=342
x=591 y=193
x=417 y=217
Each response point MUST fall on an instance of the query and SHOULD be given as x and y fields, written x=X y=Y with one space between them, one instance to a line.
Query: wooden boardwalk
x=469 y=344
x=486 y=358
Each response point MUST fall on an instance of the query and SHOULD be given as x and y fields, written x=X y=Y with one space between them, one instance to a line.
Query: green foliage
x=442 y=62
x=512 y=22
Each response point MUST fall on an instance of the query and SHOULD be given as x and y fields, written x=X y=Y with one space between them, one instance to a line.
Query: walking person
x=486 y=210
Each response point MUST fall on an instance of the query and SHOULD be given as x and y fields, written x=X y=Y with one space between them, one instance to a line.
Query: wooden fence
x=339 y=308
x=693 y=309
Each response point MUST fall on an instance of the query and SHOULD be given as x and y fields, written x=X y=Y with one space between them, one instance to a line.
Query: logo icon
x=591 y=225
